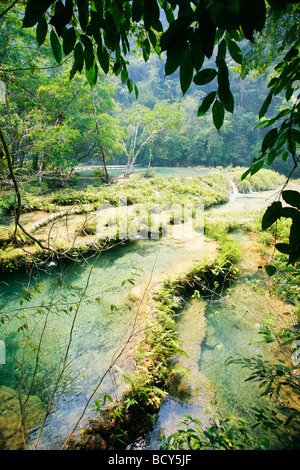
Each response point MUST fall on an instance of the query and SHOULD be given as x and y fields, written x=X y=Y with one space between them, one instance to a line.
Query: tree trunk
x=150 y=158
x=41 y=167
x=100 y=147
x=128 y=169
x=104 y=165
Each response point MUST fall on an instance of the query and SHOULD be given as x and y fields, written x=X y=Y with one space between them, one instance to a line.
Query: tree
x=144 y=125
x=97 y=33
x=108 y=133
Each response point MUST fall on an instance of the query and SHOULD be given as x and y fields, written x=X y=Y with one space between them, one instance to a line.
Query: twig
x=116 y=356
x=64 y=365
x=8 y=8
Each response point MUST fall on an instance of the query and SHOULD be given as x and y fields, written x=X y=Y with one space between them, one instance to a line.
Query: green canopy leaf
x=292 y=198
x=206 y=103
x=205 y=76
x=218 y=114
x=56 y=47
x=41 y=30
x=69 y=40
x=186 y=71
x=272 y=214
x=235 y=51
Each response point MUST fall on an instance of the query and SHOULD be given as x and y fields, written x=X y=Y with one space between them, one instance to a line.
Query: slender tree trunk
x=100 y=147
x=104 y=165
x=15 y=183
x=41 y=167
x=150 y=158
x=18 y=195
x=128 y=169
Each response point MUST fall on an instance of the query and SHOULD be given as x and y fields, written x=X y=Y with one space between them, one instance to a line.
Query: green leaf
x=295 y=134
x=137 y=10
x=73 y=71
x=244 y=175
x=56 y=47
x=226 y=98
x=252 y=16
x=196 y=49
x=271 y=156
x=103 y=57
x=290 y=212
x=78 y=56
x=176 y=54
x=88 y=51
x=206 y=103
x=218 y=114
x=270 y=269
x=257 y=167
x=34 y=10
x=92 y=74
x=272 y=213
x=283 y=248
x=130 y=85
x=265 y=105
x=176 y=31
x=41 y=30
x=136 y=91
x=124 y=76
x=205 y=76
x=151 y=15
x=292 y=198
x=207 y=30
x=62 y=15
x=222 y=49
x=235 y=51
x=69 y=40
x=83 y=13
x=186 y=71
x=269 y=139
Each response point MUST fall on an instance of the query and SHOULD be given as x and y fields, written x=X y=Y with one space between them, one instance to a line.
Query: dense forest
x=209 y=90
x=41 y=106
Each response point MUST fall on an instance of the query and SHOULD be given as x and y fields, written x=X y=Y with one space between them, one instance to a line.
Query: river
x=102 y=326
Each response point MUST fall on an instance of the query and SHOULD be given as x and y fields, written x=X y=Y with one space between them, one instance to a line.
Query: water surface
x=104 y=325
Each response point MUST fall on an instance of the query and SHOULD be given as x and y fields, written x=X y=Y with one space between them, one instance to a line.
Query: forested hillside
x=42 y=108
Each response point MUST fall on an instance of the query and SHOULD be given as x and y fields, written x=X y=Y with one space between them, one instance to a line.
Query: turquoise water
x=101 y=328
x=228 y=332
x=86 y=172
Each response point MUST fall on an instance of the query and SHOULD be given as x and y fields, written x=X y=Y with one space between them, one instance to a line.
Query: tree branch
x=8 y=8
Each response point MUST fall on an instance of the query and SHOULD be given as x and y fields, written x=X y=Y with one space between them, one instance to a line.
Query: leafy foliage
x=231 y=433
x=104 y=29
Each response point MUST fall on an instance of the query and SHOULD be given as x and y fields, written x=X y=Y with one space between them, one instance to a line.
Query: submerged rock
x=10 y=418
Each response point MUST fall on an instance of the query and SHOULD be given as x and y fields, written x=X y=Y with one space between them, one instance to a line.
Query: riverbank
x=74 y=222
x=70 y=223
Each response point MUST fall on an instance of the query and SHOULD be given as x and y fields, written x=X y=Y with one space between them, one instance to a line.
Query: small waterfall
x=234 y=189
x=52 y=262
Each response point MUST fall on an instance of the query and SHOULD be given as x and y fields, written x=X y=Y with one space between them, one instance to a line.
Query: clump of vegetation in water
x=263 y=180
x=119 y=423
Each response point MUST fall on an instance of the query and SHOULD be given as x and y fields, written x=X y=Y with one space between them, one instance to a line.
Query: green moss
x=263 y=180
